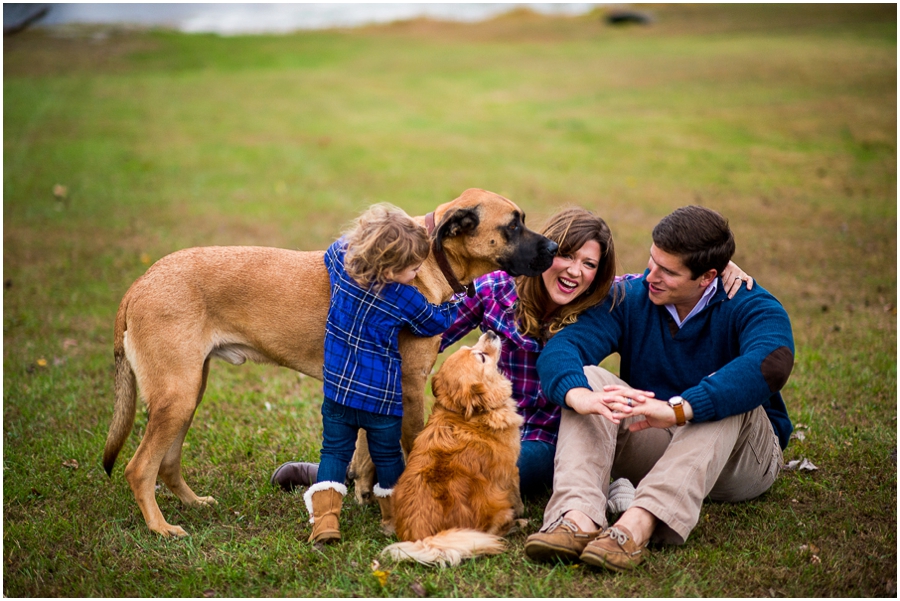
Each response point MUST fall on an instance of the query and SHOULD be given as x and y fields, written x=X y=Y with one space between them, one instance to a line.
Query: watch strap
x=679 y=414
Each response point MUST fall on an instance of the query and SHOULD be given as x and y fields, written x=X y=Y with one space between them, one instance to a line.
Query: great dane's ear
x=457 y=223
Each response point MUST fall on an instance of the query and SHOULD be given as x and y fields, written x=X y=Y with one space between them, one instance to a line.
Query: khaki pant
x=673 y=470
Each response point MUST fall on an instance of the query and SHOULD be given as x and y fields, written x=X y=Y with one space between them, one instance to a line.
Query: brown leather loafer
x=292 y=474
x=615 y=550
x=565 y=541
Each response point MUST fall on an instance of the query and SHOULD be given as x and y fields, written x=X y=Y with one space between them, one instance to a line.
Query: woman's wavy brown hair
x=571 y=228
x=383 y=242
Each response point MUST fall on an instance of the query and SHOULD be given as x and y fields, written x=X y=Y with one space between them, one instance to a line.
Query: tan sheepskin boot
x=385 y=502
x=324 y=500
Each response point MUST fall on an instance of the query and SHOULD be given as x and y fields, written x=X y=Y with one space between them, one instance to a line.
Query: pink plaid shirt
x=493 y=308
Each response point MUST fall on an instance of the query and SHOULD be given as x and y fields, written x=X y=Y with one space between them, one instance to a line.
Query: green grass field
x=782 y=117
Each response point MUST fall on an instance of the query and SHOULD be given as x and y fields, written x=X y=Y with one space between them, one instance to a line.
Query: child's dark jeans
x=340 y=425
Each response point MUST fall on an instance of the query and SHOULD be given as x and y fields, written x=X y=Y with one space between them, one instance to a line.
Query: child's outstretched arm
x=423 y=318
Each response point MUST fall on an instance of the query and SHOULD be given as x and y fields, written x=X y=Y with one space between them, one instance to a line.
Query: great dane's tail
x=126 y=395
x=448 y=547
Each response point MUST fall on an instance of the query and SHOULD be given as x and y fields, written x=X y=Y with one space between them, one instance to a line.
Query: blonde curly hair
x=382 y=243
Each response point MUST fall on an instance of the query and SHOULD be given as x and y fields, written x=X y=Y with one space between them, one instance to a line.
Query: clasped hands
x=616 y=402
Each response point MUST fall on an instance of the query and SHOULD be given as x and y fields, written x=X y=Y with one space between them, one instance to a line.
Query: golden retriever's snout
x=490 y=344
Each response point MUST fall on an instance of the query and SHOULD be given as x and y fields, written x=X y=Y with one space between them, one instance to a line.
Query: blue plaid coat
x=362 y=355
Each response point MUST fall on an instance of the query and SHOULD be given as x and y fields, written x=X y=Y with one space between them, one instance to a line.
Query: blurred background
x=243 y=18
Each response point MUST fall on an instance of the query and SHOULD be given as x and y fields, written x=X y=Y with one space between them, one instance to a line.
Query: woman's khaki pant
x=673 y=470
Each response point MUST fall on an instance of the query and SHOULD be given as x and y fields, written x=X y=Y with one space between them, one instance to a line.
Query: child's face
x=407 y=275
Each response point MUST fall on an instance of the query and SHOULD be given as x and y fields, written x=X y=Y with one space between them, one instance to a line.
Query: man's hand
x=614 y=402
x=659 y=414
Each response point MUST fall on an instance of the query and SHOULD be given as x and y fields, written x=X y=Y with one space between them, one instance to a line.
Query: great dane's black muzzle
x=533 y=256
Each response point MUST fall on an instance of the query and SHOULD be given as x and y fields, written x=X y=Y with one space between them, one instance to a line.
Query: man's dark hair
x=700 y=236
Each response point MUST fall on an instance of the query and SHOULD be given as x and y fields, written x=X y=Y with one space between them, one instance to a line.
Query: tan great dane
x=270 y=305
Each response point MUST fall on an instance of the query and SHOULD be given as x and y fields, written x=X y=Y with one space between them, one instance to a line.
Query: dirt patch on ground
x=71 y=49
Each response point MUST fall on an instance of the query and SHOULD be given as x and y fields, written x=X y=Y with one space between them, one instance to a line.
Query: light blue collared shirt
x=704 y=300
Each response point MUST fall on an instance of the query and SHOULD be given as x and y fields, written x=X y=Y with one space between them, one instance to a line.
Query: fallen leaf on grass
x=41 y=362
x=209 y=593
x=418 y=589
x=798 y=435
x=381 y=576
x=68 y=343
x=801 y=465
x=145 y=258
x=60 y=191
x=71 y=464
x=810 y=547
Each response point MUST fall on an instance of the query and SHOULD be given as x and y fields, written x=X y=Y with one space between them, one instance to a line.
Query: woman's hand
x=733 y=276
x=614 y=402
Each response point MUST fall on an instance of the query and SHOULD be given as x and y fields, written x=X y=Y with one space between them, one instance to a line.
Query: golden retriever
x=460 y=490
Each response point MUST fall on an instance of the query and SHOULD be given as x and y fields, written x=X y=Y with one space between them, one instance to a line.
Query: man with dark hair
x=697 y=411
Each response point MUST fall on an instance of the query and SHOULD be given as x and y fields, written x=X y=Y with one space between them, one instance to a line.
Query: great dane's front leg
x=419 y=355
x=362 y=470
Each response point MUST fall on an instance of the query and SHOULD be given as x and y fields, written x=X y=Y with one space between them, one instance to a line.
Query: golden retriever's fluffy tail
x=448 y=547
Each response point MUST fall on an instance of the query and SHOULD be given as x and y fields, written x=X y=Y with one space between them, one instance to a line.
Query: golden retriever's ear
x=448 y=390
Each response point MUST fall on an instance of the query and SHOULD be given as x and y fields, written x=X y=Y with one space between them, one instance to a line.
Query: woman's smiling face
x=571 y=274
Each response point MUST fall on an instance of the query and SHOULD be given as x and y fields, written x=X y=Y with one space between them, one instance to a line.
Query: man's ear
x=708 y=278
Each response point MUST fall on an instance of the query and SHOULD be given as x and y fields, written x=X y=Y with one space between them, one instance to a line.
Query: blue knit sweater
x=730 y=358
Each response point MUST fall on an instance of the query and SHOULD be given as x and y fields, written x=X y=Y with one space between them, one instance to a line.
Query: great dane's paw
x=168 y=530
x=363 y=497
x=205 y=501
x=517 y=526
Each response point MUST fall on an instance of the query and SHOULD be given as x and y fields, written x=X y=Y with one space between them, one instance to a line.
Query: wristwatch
x=677 y=405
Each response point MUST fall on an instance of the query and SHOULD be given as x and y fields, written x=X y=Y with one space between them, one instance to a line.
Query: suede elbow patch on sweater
x=777 y=367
